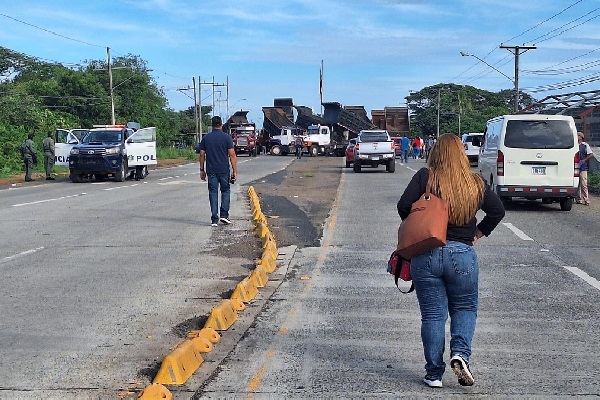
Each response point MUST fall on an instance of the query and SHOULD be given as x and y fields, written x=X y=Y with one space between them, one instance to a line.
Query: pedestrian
x=585 y=153
x=299 y=144
x=216 y=148
x=446 y=278
x=48 y=147
x=29 y=157
x=405 y=148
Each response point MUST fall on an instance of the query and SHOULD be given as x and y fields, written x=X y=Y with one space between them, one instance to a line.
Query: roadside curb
x=186 y=358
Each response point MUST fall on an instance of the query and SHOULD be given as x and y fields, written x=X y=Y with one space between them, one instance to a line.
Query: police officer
x=48 y=146
x=29 y=157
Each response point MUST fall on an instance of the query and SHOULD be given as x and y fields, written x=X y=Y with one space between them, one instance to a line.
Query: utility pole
x=200 y=107
x=110 y=83
x=517 y=50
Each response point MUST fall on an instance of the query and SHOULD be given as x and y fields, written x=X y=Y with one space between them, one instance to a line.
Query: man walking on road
x=48 y=146
x=216 y=148
x=585 y=153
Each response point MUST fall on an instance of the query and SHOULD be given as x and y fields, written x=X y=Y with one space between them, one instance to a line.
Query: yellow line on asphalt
x=256 y=380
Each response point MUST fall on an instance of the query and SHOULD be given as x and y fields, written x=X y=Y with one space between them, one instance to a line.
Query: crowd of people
x=416 y=147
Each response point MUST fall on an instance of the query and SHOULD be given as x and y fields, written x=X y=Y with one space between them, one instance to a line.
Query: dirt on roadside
x=297 y=200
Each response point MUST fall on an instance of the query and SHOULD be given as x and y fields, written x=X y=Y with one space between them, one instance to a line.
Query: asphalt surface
x=337 y=327
x=100 y=281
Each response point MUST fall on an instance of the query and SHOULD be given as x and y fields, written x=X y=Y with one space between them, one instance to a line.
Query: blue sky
x=374 y=52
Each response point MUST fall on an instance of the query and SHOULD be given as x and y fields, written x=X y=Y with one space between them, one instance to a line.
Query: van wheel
x=566 y=204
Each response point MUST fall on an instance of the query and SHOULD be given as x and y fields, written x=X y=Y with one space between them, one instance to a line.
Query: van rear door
x=539 y=152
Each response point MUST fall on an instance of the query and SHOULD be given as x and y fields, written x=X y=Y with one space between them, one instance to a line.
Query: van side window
x=543 y=134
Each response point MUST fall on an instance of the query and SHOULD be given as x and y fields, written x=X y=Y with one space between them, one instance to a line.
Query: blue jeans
x=405 y=155
x=446 y=282
x=214 y=182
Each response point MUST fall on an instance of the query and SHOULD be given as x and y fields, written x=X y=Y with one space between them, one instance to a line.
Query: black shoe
x=29 y=180
x=50 y=178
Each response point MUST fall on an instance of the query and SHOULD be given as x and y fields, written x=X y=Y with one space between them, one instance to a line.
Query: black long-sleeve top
x=491 y=205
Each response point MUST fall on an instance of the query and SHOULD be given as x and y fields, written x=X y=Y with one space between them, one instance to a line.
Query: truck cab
x=113 y=150
x=244 y=140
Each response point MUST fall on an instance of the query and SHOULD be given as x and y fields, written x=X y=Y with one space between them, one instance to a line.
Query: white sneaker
x=433 y=382
x=214 y=224
x=225 y=221
x=461 y=370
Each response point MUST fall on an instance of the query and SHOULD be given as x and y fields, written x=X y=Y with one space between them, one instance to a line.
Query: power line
x=50 y=32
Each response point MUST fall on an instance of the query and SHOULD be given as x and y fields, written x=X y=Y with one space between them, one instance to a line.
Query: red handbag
x=425 y=227
x=400 y=268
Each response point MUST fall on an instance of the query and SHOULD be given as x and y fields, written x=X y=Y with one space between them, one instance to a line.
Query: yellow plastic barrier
x=271 y=250
x=222 y=316
x=202 y=345
x=259 y=276
x=179 y=365
x=262 y=230
x=207 y=333
x=155 y=391
x=268 y=264
x=245 y=291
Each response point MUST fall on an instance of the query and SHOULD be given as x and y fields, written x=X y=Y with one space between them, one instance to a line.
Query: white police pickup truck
x=109 y=150
x=374 y=147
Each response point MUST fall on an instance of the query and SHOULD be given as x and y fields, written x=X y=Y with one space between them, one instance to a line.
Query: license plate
x=538 y=170
x=375 y=158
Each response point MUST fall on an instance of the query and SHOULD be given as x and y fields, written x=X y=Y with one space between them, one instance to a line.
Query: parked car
x=350 y=152
x=472 y=143
x=397 y=146
x=532 y=156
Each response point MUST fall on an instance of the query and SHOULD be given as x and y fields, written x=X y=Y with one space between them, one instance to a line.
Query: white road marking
x=121 y=187
x=47 y=200
x=517 y=231
x=592 y=281
x=24 y=253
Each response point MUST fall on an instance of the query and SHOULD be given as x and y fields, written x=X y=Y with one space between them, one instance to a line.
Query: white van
x=534 y=156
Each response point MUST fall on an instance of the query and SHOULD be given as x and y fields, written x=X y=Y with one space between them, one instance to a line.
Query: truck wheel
x=76 y=178
x=391 y=166
x=566 y=204
x=313 y=151
x=121 y=173
x=275 y=150
x=356 y=166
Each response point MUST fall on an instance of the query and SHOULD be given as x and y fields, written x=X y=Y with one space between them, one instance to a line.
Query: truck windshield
x=373 y=137
x=547 y=134
x=102 y=136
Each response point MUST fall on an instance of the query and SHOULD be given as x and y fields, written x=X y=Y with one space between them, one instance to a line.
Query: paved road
x=100 y=280
x=337 y=327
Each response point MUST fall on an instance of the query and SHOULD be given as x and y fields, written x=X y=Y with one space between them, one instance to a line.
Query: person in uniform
x=29 y=157
x=48 y=146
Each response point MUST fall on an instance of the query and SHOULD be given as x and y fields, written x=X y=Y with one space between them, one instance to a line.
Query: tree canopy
x=462 y=109
x=39 y=97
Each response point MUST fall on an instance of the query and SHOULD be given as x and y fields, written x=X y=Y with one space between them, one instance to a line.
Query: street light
x=234 y=104
x=513 y=81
